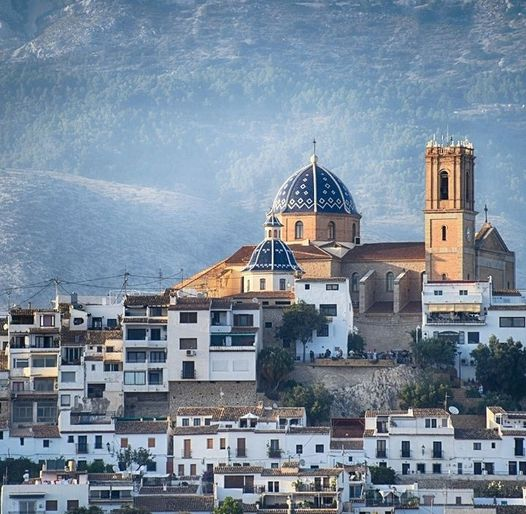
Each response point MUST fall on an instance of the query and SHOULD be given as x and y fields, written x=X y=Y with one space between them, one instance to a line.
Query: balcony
x=241 y=452
x=519 y=452
x=82 y=448
x=186 y=454
x=455 y=318
x=405 y=454
x=381 y=454
x=188 y=375
x=437 y=454
x=275 y=453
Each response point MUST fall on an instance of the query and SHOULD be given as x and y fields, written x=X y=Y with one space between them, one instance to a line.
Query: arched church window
x=467 y=187
x=282 y=284
x=444 y=185
x=331 y=230
x=275 y=234
x=444 y=233
x=354 y=232
x=298 y=230
x=262 y=284
x=354 y=282
x=389 y=281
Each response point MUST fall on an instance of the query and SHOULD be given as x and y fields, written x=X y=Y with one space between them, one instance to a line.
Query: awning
x=455 y=307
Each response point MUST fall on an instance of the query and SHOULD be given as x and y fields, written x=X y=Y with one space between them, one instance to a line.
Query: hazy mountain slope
x=54 y=225
x=221 y=99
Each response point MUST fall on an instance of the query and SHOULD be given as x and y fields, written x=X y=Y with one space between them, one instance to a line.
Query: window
x=273 y=487
x=210 y=444
x=473 y=338
x=111 y=323
x=155 y=376
x=477 y=446
x=431 y=423
x=243 y=320
x=71 y=439
x=299 y=449
x=96 y=390
x=72 y=504
x=136 y=334
x=459 y=468
x=282 y=284
x=47 y=320
x=437 y=469
x=98 y=442
x=21 y=363
x=320 y=448
x=188 y=343
x=197 y=422
x=323 y=331
x=463 y=292
x=438 y=292
x=188 y=317
x=151 y=465
x=51 y=505
x=111 y=366
x=134 y=377
x=155 y=312
x=222 y=443
x=354 y=233
x=155 y=334
x=458 y=500
x=71 y=355
x=180 y=470
x=511 y=322
x=354 y=283
x=298 y=230
x=331 y=230
x=307 y=287
x=444 y=185
x=45 y=443
x=328 y=309
x=262 y=284
x=443 y=232
x=22 y=441
x=134 y=356
x=46 y=411
x=185 y=422
x=512 y=467
x=421 y=468
x=406 y=449
x=158 y=356
x=124 y=442
x=332 y=287
x=389 y=281
x=405 y=468
x=151 y=442
x=268 y=324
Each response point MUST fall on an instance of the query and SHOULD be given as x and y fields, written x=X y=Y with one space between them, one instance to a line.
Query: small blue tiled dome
x=314 y=189
x=273 y=255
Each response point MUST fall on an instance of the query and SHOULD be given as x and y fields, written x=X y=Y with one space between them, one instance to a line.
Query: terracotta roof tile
x=191 y=303
x=203 y=429
x=234 y=412
x=347 y=445
x=386 y=252
x=347 y=427
x=140 y=427
x=310 y=430
x=150 y=300
x=46 y=431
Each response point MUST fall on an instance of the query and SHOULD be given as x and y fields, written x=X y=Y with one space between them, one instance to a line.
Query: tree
x=316 y=399
x=229 y=506
x=500 y=367
x=299 y=323
x=274 y=364
x=14 y=469
x=85 y=510
x=382 y=475
x=355 y=344
x=424 y=393
x=434 y=352
x=128 y=456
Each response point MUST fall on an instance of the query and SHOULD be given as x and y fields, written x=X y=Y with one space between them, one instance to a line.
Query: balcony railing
x=519 y=452
x=274 y=453
x=456 y=319
x=241 y=452
x=186 y=454
x=438 y=454
x=188 y=375
x=405 y=454
x=381 y=454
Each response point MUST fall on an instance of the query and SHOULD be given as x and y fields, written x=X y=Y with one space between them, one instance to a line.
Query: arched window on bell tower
x=298 y=230
x=354 y=232
x=444 y=233
x=331 y=230
x=444 y=185
x=467 y=189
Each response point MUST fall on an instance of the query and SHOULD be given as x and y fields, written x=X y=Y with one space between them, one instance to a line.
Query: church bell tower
x=449 y=212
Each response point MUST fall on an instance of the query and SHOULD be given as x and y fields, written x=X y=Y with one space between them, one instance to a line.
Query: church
x=313 y=232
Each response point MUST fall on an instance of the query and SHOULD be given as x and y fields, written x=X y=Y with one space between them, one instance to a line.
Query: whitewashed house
x=332 y=298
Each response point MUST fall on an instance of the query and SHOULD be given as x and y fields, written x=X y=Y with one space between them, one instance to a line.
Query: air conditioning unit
x=190 y=353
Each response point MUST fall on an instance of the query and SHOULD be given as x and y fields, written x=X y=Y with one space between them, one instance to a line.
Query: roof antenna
x=314 y=146
x=485 y=213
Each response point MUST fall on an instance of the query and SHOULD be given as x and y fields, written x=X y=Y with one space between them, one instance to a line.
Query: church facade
x=313 y=231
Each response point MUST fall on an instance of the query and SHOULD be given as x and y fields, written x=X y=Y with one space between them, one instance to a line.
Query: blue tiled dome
x=273 y=255
x=314 y=189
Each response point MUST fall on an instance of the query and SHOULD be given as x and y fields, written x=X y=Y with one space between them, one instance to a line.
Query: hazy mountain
x=220 y=100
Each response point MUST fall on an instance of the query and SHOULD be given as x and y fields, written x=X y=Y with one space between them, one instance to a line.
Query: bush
x=382 y=475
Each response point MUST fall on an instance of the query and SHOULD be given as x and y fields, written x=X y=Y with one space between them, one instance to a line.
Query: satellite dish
x=274 y=405
x=453 y=410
